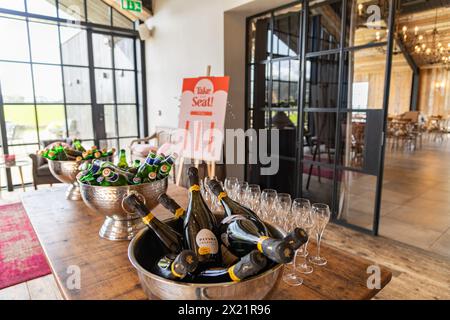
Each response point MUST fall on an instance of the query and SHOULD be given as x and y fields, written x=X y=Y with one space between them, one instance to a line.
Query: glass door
x=114 y=77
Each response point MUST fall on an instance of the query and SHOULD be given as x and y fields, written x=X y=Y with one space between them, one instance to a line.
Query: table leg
x=21 y=178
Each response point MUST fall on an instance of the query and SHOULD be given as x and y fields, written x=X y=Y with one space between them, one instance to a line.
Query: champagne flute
x=241 y=192
x=321 y=215
x=230 y=185
x=253 y=195
x=301 y=209
x=268 y=198
x=290 y=275
x=283 y=209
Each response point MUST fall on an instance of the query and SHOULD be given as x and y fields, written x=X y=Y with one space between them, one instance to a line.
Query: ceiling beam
x=133 y=16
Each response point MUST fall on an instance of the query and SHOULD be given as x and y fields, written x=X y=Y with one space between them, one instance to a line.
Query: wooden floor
x=415 y=205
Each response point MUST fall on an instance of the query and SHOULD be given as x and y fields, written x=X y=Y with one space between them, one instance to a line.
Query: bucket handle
x=129 y=193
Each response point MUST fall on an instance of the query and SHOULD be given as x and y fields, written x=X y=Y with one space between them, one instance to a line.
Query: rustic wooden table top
x=68 y=233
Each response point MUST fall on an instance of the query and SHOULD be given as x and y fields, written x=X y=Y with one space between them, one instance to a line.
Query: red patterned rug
x=21 y=256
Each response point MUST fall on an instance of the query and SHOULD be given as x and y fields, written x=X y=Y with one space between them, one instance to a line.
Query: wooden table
x=68 y=233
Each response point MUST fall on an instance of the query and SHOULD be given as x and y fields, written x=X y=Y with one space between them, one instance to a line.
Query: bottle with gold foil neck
x=171 y=239
x=247 y=266
x=200 y=225
x=176 y=267
x=178 y=212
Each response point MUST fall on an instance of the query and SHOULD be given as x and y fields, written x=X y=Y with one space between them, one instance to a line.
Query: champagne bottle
x=296 y=238
x=200 y=224
x=171 y=240
x=178 y=212
x=241 y=235
x=247 y=266
x=231 y=207
x=176 y=267
x=122 y=164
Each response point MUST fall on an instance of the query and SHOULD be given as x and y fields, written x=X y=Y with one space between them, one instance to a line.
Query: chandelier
x=425 y=45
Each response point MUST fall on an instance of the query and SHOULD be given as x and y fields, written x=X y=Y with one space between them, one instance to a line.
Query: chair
x=40 y=169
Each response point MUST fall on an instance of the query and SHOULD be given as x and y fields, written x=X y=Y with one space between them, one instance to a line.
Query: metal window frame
x=340 y=110
x=139 y=77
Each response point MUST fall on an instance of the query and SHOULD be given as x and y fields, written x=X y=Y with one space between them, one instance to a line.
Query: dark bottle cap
x=215 y=186
x=168 y=203
x=277 y=250
x=134 y=204
x=249 y=265
x=296 y=238
x=192 y=173
x=185 y=262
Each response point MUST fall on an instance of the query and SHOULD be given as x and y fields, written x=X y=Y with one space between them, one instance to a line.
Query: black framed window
x=318 y=71
x=74 y=71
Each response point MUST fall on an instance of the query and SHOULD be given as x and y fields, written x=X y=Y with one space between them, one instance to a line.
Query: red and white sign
x=202 y=117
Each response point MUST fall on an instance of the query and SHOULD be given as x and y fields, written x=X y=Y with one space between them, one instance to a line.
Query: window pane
x=126 y=89
x=14 y=33
x=48 y=83
x=363 y=24
x=104 y=86
x=20 y=124
x=121 y=21
x=16 y=84
x=286 y=32
x=123 y=53
x=44 y=43
x=110 y=121
x=322 y=75
x=102 y=47
x=72 y=10
x=99 y=12
x=365 y=78
x=324 y=25
x=43 y=7
x=129 y=127
x=51 y=120
x=18 y=5
x=74 y=46
x=76 y=85
x=79 y=121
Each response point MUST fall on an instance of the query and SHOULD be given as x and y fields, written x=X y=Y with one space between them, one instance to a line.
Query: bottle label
x=260 y=241
x=222 y=195
x=148 y=218
x=179 y=213
x=207 y=242
x=232 y=274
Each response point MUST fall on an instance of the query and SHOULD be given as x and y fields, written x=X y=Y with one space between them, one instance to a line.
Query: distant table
x=18 y=164
x=68 y=233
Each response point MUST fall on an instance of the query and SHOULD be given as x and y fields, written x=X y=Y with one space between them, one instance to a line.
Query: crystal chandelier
x=425 y=46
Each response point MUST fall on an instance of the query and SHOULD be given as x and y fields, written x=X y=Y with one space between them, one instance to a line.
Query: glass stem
x=319 y=238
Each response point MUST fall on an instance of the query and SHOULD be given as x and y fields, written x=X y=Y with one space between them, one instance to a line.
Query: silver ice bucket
x=120 y=223
x=143 y=253
x=66 y=172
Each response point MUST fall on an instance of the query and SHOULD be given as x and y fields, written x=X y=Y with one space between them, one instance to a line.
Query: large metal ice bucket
x=143 y=253
x=66 y=172
x=120 y=223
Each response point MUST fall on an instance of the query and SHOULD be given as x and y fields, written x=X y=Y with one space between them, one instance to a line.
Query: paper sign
x=202 y=117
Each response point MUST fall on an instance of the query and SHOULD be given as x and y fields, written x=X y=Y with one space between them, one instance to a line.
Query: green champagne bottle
x=200 y=225
x=176 y=267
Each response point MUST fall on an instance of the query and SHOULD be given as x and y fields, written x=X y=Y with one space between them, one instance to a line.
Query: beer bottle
x=122 y=164
x=165 y=167
x=77 y=145
x=114 y=178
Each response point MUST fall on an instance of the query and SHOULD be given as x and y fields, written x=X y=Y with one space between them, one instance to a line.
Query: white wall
x=188 y=36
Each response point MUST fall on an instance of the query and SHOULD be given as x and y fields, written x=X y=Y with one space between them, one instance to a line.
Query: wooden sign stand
x=211 y=165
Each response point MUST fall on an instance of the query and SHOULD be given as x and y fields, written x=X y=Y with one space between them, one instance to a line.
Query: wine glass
x=320 y=213
x=301 y=209
x=241 y=192
x=267 y=203
x=253 y=195
x=230 y=185
x=283 y=210
x=290 y=275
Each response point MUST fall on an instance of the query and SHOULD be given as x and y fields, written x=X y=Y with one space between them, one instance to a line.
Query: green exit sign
x=132 y=5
